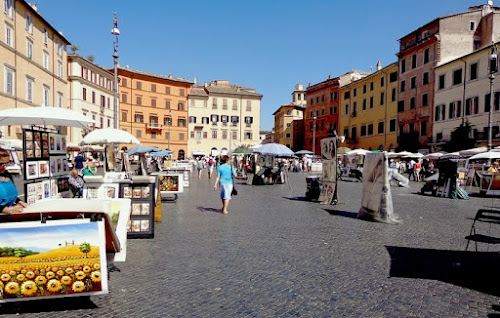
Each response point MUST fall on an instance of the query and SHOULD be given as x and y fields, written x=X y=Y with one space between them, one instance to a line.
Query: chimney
x=379 y=66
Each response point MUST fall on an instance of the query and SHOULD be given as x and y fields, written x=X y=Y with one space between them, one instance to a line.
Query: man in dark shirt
x=78 y=163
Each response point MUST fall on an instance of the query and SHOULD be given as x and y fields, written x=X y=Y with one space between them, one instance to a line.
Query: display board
x=170 y=182
x=328 y=193
x=72 y=253
x=142 y=196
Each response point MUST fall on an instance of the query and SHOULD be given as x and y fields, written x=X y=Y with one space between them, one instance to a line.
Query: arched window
x=180 y=155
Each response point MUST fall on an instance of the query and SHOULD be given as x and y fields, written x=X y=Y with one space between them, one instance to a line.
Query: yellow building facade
x=154 y=109
x=34 y=62
x=283 y=124
x=368 y=115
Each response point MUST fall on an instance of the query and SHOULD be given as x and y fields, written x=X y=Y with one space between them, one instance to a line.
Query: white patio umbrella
x=414 y=155
x=357 y=152
x=274 y=149
x=486 y=155
x=109 y=136
x=435 y=155
x=472 y=152
x=403 y=154
x=17 y=144
x=451 y=155
x=44 y=115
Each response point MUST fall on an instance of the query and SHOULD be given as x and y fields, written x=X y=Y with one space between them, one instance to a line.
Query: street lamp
x=116 y=32
x=314 y=135
x=493 y=69
x=169 y=125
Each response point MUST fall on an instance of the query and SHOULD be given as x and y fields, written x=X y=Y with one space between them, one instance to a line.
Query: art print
x=53 y=188
x=58 y=143
x=43 y=169
x=145 y=192
x=145 y=226
x=63 y=143
x=31 y=199
x=90 y=192
x=136 y=209
x=31 y=170
x=28 y=135
x=127 y=192
x=53 y=166
x=52 y=143
x=137 y=192
x=144 y=208
x=31 y=189
x=136 y=225
x=46 y=189
x=30 y=154
x=120 y=218
x=82 y=264
x=109 y=191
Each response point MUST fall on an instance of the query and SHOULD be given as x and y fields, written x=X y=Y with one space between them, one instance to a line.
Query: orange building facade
x=154 y=109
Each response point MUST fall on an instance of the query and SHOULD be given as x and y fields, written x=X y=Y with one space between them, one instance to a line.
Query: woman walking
x=225 y=173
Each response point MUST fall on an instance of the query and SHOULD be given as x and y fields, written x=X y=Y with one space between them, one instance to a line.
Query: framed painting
x=31 y=170
x=91 y=192
x=120 y=217
x=83 y=265
x=171 y=183
x=109 y=190
x=43 y=169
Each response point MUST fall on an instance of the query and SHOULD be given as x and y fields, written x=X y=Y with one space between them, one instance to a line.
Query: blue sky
x=269 y=45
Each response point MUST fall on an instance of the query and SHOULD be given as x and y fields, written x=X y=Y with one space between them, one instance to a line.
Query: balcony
x=154 y=126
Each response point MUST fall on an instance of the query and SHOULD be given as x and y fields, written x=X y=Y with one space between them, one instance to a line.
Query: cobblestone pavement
x=276 y=255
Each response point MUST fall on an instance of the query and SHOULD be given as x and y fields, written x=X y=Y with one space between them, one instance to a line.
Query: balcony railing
x=154 y=126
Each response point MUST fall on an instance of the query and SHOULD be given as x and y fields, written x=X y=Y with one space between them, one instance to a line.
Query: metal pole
x=169 y=125
x=314 y=136
x=490 y=117
x=116 y=32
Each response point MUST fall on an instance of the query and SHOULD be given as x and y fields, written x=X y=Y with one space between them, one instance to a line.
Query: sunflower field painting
x=57 y=259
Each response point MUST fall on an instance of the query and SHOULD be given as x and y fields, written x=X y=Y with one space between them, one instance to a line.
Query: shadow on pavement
x=346 y=214
x=203 y=209
x=296 y=198
x=474 y=270
x=47 y=305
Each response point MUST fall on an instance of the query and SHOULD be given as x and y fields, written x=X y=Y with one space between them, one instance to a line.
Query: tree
x=74 y=48
x=90 y=58
x=85 y=248
x=460 y=138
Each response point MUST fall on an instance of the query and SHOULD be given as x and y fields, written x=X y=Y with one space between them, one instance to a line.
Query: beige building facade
x=463 y=96
x=90 y=93
x=34 y=62
x=222 y=117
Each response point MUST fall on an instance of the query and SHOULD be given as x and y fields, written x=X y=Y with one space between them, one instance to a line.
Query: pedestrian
x=411 y=170
x=90 y=168
x=210 y=164
x=417 y=168
x=493 y=168
x=224 y=179
x=78 y=163
x=9 y=201
x=199 y=165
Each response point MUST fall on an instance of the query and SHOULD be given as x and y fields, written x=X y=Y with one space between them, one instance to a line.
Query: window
x=167 y=104
x=205 y=120
x=413 y=82
x=473 y=71
x=347 y=95
x=8 y=8
x=403 y=86
x=425 y=99
x=370 y=129
x=380 y=129
x=471 y=106
x=139 y=118
x=248 y=135
x=181 y=92
x=382 y=99
x=29 y=90
x=235 y=104
x=153 y=135
x=224 y=103
x=382 y=81
x=167 y=90
x=103 y=101
x=214 y=118
x=192 y=134
x=124 y=116
x=45 y=36
x=84 y=94
x=441 y=82
x=235 y=119
x=322 y=98
x=46 y=96
x=439 y=113
x=8 y=35
x=153 y=102
x=425 y=78
x=414 y=61
x=392 y=125
x=354 y=92
x=401 y=106
x=124 y=98
x=93 y=97
x=92 y=76
x=364 y=88
x=29 y=49
x=362 y=133
x=181 y=122
x=138 y=85
x=192 y=119
x=138 y=100
x=364 y=104
x=371 y=86
x=412 y=103
x=411 y=128
x=322 y=111
x=426 y=55
x=402 y=66
x=472 y=25
x=234 y=135
x=45 y=60
x=9 y=81
x=167 y=121
x=180 y=106
x=224 y=134
x=249 y=105
x=60 y=98
x=214 y=134
x=29 y=23
x=59 y=69
x=167 y=136
x=454 y=110
x=124 y=82
x=393 y=77
x=371 y=102
x=393 y=95
x=457 y=77
x=138 y=133
x=153 y=87
x=423 y=128
x=60 y=47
